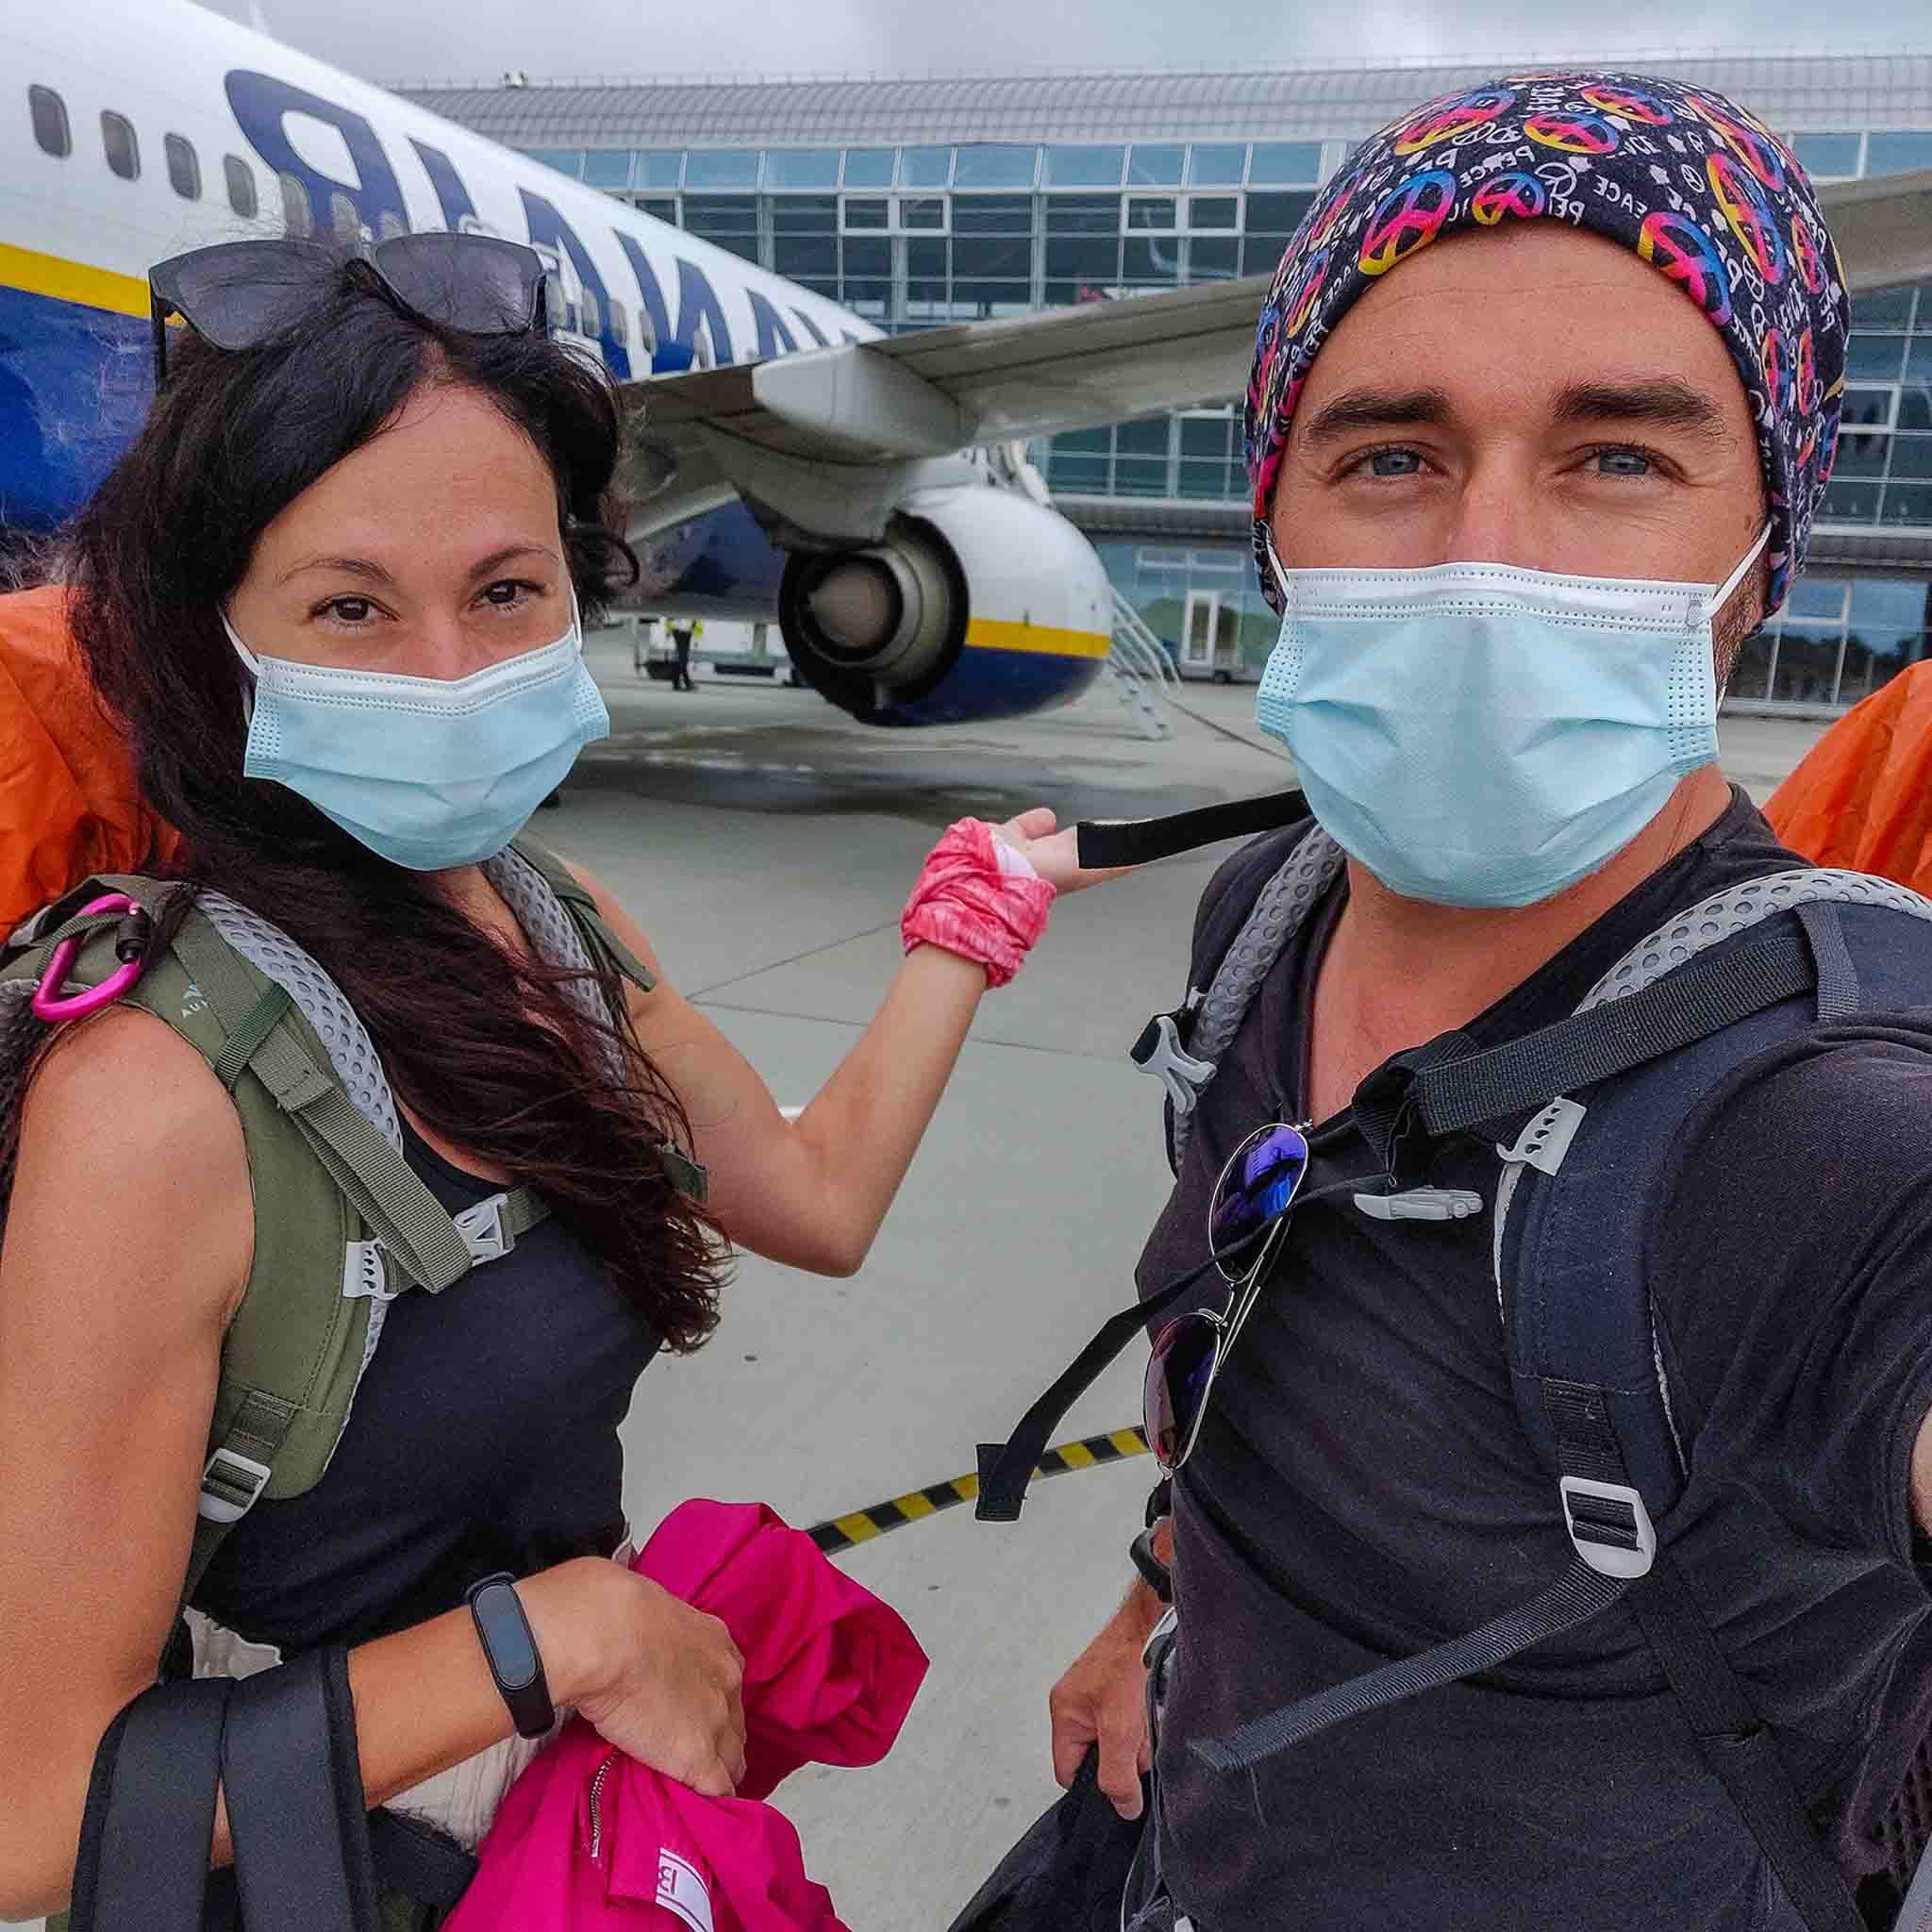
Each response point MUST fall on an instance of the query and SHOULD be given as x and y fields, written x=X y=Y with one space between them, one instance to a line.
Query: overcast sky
x=392 y=40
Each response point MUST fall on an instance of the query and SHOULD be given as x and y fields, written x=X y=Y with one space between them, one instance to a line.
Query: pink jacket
x=588 y=1837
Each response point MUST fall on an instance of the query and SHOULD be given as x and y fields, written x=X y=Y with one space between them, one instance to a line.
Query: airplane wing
x=940 y=389
x=937 y=390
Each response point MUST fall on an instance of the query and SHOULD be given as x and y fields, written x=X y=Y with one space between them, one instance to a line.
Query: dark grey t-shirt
x=1362 y=1489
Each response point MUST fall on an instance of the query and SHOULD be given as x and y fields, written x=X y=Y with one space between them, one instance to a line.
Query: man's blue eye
x=1394 y=462
x=1623 y=462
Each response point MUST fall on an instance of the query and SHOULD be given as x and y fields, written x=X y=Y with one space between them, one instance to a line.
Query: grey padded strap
x=1280 y=912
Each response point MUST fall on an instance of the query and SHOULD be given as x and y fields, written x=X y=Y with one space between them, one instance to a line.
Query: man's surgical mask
x=425 y=772
x=1480 y=734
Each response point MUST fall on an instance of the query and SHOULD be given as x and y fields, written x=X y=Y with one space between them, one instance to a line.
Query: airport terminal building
x=915 y=202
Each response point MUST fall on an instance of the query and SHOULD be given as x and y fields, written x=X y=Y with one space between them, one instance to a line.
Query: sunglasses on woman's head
x=1246 y=1217
x=241 y=294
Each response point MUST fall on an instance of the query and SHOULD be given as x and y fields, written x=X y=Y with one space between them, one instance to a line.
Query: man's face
x=1537 y=396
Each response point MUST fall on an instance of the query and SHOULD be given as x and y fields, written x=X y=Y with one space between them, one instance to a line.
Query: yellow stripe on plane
x=1045 y=640
x=71 y=281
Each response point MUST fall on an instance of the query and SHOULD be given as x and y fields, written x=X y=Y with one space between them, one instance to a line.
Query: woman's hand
x=656 y=1679
x=1053 y=854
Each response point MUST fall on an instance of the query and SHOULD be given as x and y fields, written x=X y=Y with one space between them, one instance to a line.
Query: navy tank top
x=483 y=1438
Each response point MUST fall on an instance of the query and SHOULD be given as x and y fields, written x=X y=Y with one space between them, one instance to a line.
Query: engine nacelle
x=980 y=603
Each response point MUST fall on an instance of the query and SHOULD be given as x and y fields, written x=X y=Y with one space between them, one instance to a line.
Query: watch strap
x=1154 y=1572
x=509 y=1648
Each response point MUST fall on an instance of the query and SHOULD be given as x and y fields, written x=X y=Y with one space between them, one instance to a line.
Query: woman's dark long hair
x=490 y=1049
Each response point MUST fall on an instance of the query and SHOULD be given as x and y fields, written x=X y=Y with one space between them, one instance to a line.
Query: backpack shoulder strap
x=342 y=1224
x=1260 y=900
x=1576 y=1305
x=570 y=893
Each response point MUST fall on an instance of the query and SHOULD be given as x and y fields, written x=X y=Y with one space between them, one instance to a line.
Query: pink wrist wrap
x=968 y=904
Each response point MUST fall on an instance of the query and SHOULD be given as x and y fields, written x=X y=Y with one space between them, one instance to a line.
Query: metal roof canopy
x=1793 y=92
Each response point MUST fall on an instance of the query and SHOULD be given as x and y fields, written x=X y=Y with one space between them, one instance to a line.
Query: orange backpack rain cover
x=1862 y=798
x=69 y=802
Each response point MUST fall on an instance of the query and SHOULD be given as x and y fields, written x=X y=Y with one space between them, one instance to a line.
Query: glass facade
x=911 y=237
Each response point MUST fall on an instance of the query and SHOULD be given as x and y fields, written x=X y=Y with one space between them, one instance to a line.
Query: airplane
x=787 y=461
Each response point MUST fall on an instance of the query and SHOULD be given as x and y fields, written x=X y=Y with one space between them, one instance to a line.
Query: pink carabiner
x=47 y=1003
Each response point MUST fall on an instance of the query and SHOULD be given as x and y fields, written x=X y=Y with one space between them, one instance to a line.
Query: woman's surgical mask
x=427 y=773
x=1479 y=735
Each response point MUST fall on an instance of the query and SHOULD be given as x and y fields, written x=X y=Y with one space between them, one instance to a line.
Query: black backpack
x=1735 y=975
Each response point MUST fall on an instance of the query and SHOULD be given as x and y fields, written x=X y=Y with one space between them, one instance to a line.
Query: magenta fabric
x=967 y=905
x=830 y=1672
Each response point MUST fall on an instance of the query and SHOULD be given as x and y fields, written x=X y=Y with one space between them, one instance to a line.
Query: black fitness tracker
x=510 y=1651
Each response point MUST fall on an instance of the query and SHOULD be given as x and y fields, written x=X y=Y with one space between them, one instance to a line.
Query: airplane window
x=343 y=217
x=241 y=196
x=298 y=218
x=590 y=321
x=124 y=151
x=184 y=166
x=620 y=321
x=51 y=130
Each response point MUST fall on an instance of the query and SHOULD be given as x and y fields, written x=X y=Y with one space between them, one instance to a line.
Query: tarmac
x=766 y=845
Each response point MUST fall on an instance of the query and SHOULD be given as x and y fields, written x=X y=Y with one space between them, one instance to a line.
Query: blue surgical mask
x=1479 y=735
x=427 y=773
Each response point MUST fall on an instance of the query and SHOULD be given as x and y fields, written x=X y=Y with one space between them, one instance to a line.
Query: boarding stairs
x=1143 y=674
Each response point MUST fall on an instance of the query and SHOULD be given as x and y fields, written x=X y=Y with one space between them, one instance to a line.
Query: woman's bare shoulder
x=126 y=1136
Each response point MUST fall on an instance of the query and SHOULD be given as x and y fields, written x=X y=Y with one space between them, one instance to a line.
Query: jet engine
x=979 y=603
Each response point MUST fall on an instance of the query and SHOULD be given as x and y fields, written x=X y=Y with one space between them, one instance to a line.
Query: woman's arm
x=812 y=1192
x=127 y=1246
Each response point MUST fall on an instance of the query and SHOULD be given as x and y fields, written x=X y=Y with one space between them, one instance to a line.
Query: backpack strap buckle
x=231 y=1485
x=485 y=1233
x=1159 y=1052
x=1609 y=1527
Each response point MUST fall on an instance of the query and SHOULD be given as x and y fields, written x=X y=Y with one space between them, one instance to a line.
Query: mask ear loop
x=1714 y=604
x=253 y=664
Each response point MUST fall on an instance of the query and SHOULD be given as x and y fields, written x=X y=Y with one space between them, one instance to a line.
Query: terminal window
x=51 y=131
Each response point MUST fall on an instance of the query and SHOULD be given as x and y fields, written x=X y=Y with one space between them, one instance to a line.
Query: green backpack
x=342 y=1225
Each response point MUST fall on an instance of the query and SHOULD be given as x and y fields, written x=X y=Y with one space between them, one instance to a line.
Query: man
x=683 y=629
x=1586 y=325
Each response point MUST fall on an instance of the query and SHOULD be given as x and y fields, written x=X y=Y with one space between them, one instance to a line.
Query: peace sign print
x=1407 y=217
x=1808 y=375
x=1749 y=214
x=1756 y=147
x=1454 y=115
x=1574 y=134
x=1302 y=300
x=1771 y=355
x=1804 y=253
x=1683 y=251
x=1630 y=102
x=1522 y=195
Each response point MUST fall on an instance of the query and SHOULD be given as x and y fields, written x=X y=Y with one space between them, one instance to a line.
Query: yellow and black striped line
x=841 y=1532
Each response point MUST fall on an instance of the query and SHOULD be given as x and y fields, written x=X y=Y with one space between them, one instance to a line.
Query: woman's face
x=432 y=551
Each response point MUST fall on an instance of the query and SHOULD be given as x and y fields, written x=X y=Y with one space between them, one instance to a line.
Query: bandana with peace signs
x=1701 y=189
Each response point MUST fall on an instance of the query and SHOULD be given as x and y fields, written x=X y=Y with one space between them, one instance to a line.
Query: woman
x=346 y=495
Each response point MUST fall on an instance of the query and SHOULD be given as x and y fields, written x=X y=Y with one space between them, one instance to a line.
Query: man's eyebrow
x=1664 y=402
x=375 y=574
x=1375 y=409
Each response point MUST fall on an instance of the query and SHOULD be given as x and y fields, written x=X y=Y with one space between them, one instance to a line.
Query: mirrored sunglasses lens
x=239 y=299
x=1178 y=1371
x=462 y=281
x=1260 y=1184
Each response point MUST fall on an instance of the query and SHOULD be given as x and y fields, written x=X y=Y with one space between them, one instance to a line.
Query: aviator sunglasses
x=241 y=294
x=1246 y=1219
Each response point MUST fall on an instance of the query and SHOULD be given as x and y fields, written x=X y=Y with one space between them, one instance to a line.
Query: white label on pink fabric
x=682 y=1892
